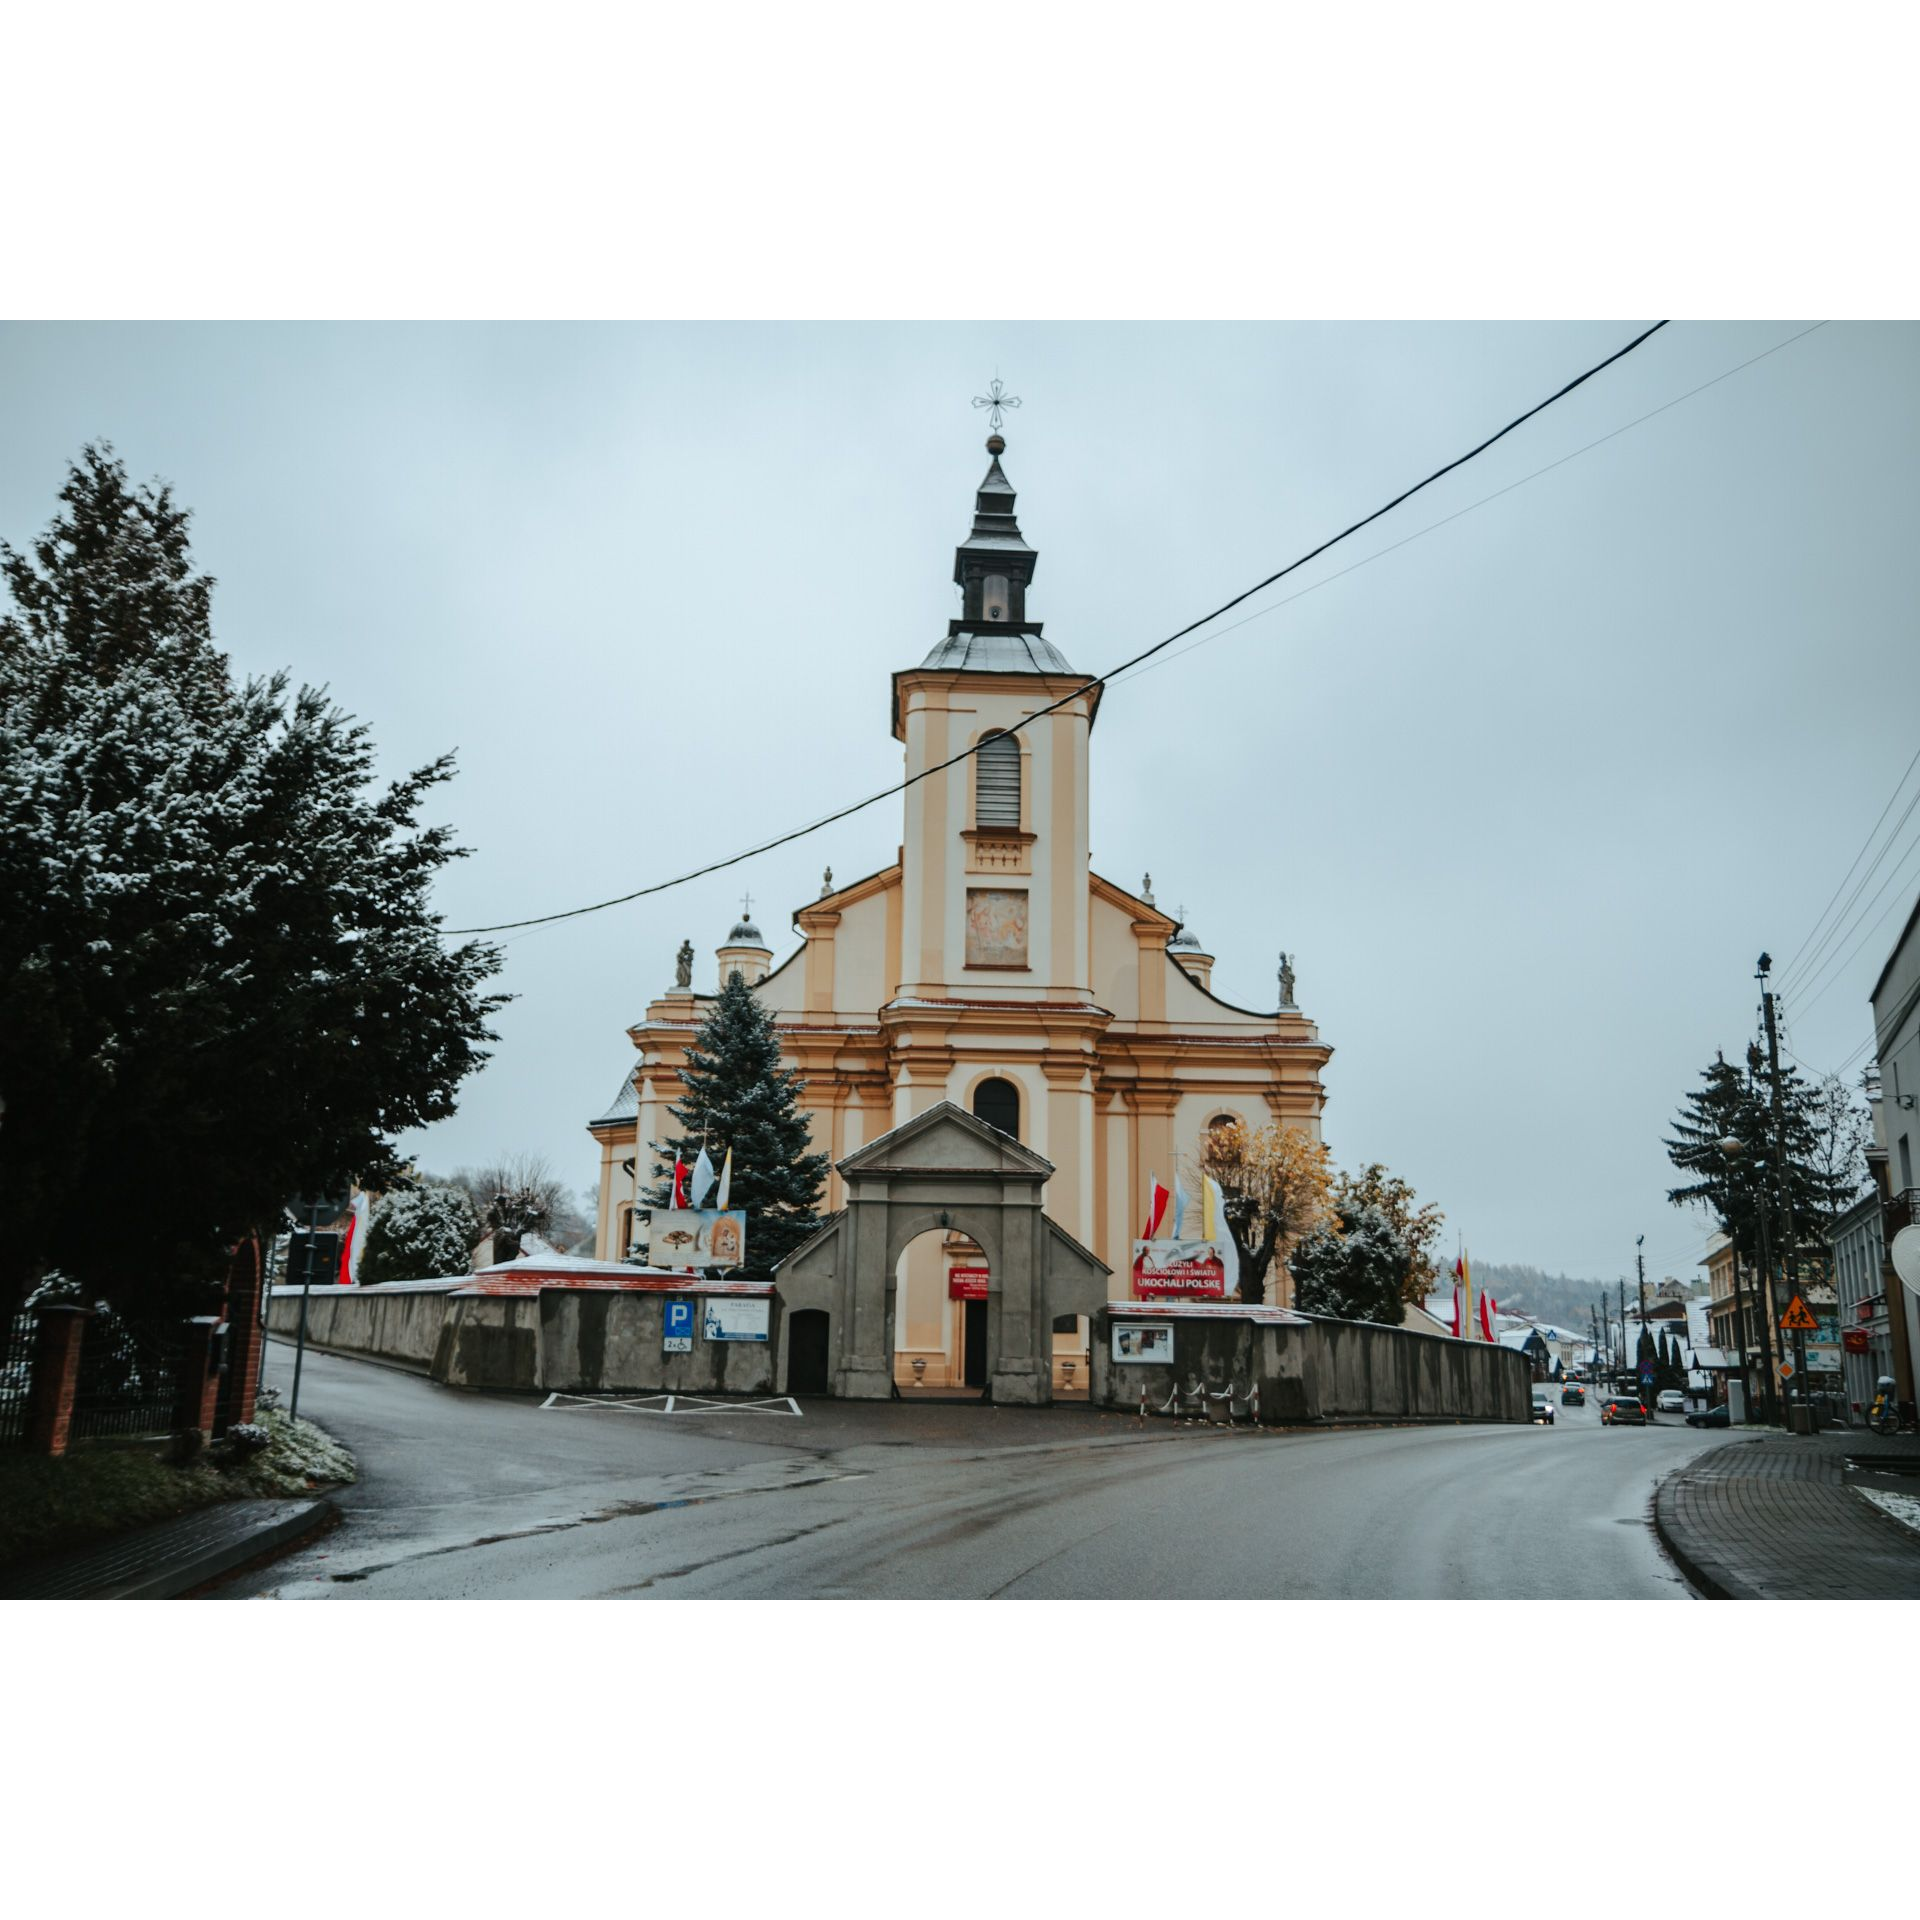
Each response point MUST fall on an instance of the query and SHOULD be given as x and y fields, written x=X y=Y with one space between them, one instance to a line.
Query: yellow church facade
x=991 y=966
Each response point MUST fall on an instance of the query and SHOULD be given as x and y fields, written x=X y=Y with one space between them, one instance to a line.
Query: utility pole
x=1788 y=1263
x=1640 y=1272
x=1622 y=1363
x=306 y=1287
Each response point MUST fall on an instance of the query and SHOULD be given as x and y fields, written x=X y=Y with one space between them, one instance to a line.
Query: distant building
x=1858 y=1247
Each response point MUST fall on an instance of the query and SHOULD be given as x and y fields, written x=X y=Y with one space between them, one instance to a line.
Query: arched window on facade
x=996 y=799
x=997 y=1102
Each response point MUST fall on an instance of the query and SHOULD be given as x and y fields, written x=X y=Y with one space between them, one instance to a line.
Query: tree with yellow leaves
x=1419 y=1227
x=1277 y=1182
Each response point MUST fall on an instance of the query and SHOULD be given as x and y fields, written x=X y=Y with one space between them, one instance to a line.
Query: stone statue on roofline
x=683 y=965
x=1286 y=981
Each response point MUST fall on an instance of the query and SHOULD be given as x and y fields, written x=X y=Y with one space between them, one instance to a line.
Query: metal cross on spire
x=996 y=397
x=746 y=906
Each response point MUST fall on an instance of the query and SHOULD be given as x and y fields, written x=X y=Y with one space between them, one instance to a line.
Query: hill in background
x=1548 y=1296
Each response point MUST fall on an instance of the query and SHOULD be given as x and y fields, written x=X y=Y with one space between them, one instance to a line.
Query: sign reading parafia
x=967 y=1283
x=1178 y=1269
x=727 y=1318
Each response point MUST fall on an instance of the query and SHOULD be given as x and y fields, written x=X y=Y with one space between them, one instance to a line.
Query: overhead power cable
x=1893 y=906
x=1121 y=676
x=1898 y=786
x=1813 y=966
x=1147 y=653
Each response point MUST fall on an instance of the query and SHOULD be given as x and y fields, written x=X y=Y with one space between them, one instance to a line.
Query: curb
x=1708 y=1585
x=196 y=1569
x=187 y=1574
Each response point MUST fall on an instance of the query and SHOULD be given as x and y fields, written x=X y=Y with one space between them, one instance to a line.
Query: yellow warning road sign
x=1797 y=1319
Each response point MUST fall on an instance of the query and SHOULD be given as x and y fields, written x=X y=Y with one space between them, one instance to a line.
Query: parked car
x=1671 y=1400
x=1573 y=1396
x=1711 y=1417
x=1623 y=1413
x=1542 y=1410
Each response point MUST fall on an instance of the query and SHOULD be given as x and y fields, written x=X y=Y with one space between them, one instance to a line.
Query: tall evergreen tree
x=1826 y=1132
x=739 y=1096
x=221 y=982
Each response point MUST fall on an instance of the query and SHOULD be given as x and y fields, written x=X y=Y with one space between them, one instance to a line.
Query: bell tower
x=994 y=877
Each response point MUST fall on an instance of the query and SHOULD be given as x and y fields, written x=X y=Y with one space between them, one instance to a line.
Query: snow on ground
x=1904 y=1507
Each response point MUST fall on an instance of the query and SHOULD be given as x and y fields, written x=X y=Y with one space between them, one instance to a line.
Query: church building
x=991 y=966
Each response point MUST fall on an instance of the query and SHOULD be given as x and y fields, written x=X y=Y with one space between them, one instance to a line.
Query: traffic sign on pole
x=1786 y=1369
x=1797 y=1319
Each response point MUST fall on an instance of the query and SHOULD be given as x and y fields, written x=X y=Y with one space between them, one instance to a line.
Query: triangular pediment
x=946 y=1139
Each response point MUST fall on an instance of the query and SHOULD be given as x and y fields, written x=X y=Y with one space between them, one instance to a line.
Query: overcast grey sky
x=1526 y=797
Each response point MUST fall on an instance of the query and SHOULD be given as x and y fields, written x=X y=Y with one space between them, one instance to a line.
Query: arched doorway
x=942 y=1283
x=949 y=1170
x=809 y=1351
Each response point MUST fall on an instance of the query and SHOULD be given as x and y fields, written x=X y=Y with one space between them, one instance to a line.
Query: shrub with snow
x=1355 y=1272
x=421 y=1233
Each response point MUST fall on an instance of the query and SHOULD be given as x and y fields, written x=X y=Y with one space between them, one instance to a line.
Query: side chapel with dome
x=990 y=965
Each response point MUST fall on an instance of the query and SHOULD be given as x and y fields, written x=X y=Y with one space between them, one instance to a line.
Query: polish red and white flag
x=1157 y=1198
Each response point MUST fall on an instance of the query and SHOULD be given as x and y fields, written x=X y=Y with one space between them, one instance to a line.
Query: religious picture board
x=996 y=927
x=685 y=1237
x=726 y=1317
x=1137 y=1346
x=1178 y=1269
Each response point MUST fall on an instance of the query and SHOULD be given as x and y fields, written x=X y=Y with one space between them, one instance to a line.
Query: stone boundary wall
x=402 y=1325
x=611 y=1343
x=1322 y=1371
x=565 y=1339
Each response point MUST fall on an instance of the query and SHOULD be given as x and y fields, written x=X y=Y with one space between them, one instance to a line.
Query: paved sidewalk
x=1776 y=1518
x=168 y=1559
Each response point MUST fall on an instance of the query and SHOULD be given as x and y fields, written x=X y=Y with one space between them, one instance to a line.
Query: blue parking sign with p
x=678 y=1327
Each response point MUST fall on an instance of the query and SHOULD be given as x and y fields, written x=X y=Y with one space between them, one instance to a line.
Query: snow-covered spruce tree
x=738 y=1095
x=1356 y=1273
x=419 y=1233
x=221 y=983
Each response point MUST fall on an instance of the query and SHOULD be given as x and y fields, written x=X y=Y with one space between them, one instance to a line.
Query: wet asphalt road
x=470 y=1497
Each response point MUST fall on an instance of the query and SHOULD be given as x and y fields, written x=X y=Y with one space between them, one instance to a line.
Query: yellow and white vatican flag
x=726 y=1183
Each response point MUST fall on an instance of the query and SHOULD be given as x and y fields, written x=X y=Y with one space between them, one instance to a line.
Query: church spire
x=993 y=565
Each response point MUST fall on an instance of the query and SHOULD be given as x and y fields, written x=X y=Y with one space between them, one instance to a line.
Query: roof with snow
x=626 y=1103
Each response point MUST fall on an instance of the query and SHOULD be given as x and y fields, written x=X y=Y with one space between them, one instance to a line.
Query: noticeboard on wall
x=1138 y=1346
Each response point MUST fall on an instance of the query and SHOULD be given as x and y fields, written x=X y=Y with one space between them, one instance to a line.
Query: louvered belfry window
x=997 y=778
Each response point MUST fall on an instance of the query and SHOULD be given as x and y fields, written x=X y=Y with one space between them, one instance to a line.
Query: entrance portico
x=942 y=1171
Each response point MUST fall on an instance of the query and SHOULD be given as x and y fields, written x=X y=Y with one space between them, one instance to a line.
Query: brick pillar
x=245 y=1334
x=199 y=1377
x=56 y=1373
